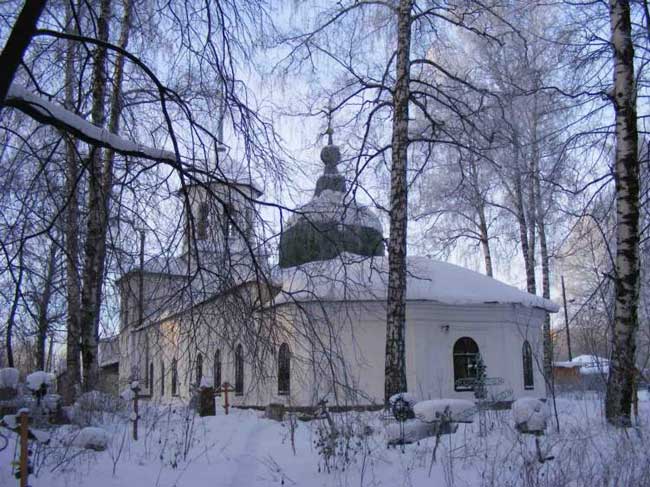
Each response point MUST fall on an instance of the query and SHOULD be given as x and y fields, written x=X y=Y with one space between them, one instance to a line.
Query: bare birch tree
x=620 y=386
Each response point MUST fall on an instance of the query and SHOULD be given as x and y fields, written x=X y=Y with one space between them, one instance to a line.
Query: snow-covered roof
x=592 y=364
x=588 y=364
x=354 y=278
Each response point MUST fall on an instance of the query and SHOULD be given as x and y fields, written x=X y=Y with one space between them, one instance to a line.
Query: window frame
x=284 y=370
x=527 y=366
x=151 y=378
x=198 y=369
x=216 y=371
x=162 y=378
x=239 y=370
x=469 y=360
x=174 y=377
x=202 y=224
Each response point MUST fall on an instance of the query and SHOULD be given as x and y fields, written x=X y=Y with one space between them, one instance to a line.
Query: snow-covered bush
x=459 y=410
x=339 y=440
x=95 y=407
x=401 y=405
x=530 y=414
x=92 y=438
x=412 y=430
x=39 y=381
x=407 y=397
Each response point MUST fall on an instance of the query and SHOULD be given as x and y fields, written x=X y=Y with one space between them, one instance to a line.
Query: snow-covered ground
x=244 y=449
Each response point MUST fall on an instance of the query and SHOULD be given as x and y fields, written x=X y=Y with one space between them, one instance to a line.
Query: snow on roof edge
x=355 y=278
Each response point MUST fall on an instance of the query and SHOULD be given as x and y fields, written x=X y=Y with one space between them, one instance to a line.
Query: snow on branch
x=53 y=114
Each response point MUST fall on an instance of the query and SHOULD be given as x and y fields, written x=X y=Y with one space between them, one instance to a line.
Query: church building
x=314 y=326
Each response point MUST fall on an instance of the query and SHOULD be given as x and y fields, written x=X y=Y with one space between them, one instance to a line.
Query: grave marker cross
x=225 y=388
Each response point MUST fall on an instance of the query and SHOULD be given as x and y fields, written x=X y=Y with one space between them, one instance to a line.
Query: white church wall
x=353 y=341
x=432 y=330
x=497 y=330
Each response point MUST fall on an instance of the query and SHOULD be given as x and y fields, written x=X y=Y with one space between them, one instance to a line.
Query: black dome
x=329 y=225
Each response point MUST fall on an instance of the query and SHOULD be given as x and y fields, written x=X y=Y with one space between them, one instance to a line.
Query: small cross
x=330 y=131
x=225 y=388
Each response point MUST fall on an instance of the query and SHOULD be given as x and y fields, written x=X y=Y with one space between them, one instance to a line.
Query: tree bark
x=531 y=285
x=479 y=206
x=92 y=276
x=11 y=319
x=100 y=203
x=19 y=39
x=73 y=298
x=43 y=325
x=622 y=371
x=543 y=247
x=395 y=366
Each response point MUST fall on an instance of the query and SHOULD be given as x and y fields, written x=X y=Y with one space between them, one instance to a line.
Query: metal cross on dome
x=330 y=131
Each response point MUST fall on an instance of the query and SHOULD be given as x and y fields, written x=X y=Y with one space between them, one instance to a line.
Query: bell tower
x=219 y=219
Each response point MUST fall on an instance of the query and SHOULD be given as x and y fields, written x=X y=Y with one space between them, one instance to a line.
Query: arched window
x=202 y=224
x=465 y=358
x=284 y=370
x=239 y=370
x=162 y=378
x=527 y=356
x=228 y=225
x=216 y=371
x=199 y=369
x=174 y=377
x=151 y=378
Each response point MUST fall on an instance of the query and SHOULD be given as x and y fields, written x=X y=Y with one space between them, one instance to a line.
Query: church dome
x=331 y=223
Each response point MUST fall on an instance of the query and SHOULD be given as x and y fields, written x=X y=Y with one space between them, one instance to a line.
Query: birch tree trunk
x=92 y=276
x=546 y=268
x=479 y=206
x=99 y=202
x=531 y=285
x=43 y=325
x=395 y=367
x=620 y=388
x=485 y=242
x=73 y=298
x=11 y=319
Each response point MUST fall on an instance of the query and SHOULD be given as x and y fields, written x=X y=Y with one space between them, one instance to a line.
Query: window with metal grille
x=162 y=378
x=202 y=223
x=216 y=371
x=199 y=369
x=174 y=377
x=284 y=370
x=465 y=359
x=239 y=370
x=527 y=356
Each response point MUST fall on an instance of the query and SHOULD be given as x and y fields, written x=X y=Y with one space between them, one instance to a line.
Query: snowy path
x=247 y=459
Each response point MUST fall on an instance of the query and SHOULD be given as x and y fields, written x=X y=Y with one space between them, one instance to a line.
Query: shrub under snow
x=36 y=380
x=530 y=414
x=407 y=397
x=91 y=438
x=460 y=410
x=413 y=430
